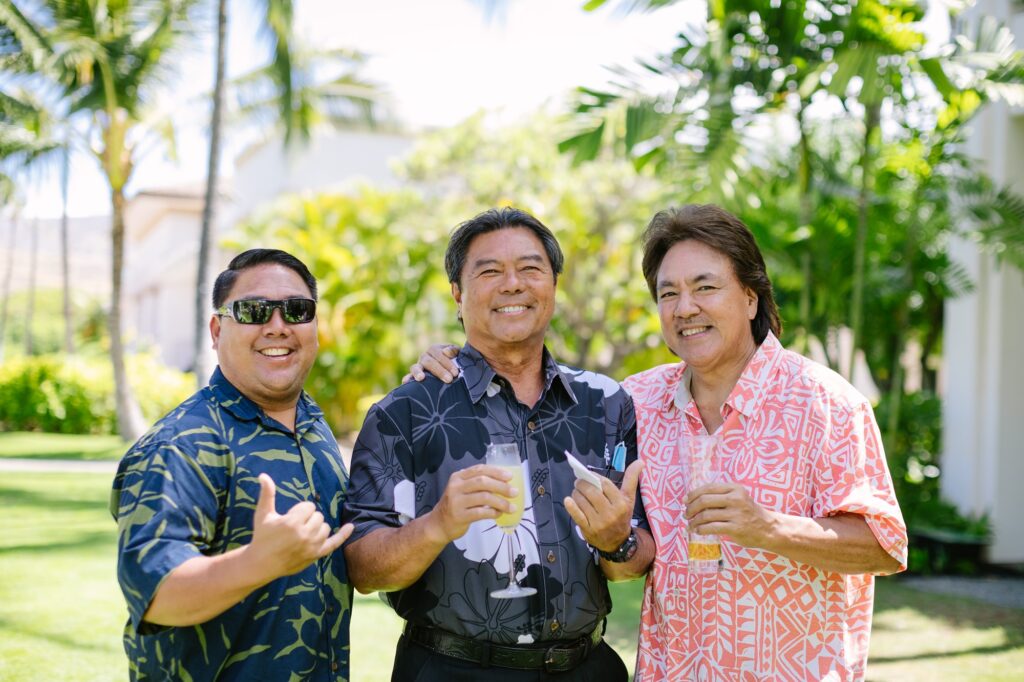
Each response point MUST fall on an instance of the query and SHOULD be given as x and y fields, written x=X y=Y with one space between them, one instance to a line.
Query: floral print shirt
x=802 y=441
x=421 y=433
x=189 y=488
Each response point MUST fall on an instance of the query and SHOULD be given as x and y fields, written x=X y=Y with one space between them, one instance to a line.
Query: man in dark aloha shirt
x=424 y=503
x=228 y=510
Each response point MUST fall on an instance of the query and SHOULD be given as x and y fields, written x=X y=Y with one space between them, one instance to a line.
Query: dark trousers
x=415 y=663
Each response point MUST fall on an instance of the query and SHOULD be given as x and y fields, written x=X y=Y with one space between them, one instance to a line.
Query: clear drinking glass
x=506 y=456
x=700 y=461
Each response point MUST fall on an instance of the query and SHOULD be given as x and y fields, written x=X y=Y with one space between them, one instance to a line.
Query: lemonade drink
x=508 y=522
x=703 y=548
x=703 y=552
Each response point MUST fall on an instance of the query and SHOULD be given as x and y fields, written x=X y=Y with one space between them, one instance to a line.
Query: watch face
x=630 y=546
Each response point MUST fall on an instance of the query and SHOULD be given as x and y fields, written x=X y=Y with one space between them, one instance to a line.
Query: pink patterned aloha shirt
x=801 y=440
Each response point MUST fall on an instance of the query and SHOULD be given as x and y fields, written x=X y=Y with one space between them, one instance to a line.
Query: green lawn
x=61 y=612
x=60 y=446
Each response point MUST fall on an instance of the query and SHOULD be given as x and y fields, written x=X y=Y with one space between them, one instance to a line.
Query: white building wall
x=983 y=408
x=330 y=161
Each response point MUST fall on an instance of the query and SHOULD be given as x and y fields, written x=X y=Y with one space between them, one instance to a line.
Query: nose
x=686 y=305
x=511 y=283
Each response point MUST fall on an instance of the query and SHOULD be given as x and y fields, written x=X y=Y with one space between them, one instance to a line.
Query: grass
x=61 y=612
x=61 y=446
x=921 y=637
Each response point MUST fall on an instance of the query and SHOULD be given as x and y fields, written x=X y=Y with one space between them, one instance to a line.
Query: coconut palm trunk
x=210 y=201
x=128 y=421
x=30 y=302
x=65 y=269
x=9 y=269
x=872 y=112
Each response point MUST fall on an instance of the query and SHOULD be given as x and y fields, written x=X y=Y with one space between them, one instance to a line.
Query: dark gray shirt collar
x=480 y=376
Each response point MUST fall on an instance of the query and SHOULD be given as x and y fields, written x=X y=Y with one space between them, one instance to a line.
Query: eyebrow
x=702 y=277
x=481 y=262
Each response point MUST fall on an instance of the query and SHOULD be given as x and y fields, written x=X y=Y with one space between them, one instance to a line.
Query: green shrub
x=913 y=456
x=62 y=394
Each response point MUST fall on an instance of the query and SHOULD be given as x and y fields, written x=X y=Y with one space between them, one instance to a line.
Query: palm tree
x=293 y=113
x=780 y=55
x=25 y=143
x=7 y=195
x=103 y=59
x=30 y=303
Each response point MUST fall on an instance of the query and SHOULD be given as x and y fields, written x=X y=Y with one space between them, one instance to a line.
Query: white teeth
x=275 y=352
x=512 y=309
x=695 y=330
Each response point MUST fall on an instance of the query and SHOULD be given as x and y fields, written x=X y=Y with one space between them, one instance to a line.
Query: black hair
x=725 y=233
x=252 y=258
x=498 y=219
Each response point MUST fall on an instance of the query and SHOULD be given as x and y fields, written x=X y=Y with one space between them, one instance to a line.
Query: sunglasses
x=260 y=310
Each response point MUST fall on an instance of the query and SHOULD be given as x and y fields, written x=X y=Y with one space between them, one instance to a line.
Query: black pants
x=415 y=663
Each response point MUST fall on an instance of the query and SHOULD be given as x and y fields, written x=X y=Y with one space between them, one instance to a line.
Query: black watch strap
x=624 y=552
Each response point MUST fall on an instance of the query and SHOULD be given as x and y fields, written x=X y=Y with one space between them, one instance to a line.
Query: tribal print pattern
x=801 y=441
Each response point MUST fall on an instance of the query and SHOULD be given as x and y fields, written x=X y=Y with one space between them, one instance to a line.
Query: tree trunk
x=901 y=324
x=65 y=270
x=7 y=283
x=199 y=334
x=30 y=302
x=871 y=116
x=806 y=216
x=128 y=419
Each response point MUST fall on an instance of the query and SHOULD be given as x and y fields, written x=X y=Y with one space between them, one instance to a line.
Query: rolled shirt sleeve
x=167 y=514
x=381 y=493
x=852 y=477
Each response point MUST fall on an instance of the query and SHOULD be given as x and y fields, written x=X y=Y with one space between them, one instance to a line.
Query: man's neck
x=710 y=390
x=285 y=416
x=523 y=367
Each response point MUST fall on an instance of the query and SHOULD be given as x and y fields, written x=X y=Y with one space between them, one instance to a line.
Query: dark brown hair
x=726 y=234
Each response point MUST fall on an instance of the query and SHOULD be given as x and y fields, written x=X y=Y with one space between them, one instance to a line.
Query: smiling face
x=506 y=291
x=267 y=363
x=705 y=312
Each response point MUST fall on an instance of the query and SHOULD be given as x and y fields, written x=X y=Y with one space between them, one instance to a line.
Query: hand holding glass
x=704 y=552
x=506 y=456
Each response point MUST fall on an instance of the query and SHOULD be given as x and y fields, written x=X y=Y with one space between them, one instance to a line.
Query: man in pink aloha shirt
x=805 y=503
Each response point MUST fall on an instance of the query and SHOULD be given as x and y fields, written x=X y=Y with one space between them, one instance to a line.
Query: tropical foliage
x=63 y=394
x=103 y=62
x=379 y=257
x=835 y=130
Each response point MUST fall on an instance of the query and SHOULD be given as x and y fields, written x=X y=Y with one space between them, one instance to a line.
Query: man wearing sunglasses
x=229 y=509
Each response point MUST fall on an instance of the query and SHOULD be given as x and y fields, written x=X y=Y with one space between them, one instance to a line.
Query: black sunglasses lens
x=298 y=310
x=253 y=311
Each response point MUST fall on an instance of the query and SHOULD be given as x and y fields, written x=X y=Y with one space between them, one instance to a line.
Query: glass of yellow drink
x=506 y=456
x=700 y=466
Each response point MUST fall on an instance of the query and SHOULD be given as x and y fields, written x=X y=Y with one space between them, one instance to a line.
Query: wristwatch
x=625 y=551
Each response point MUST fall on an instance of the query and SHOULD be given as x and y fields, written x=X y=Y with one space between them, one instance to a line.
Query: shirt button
x=334 y=666
x=316 y=496
x=540 y=491
x=551 y=557
x=554 y=626
x=330 y=608
x=532 y=425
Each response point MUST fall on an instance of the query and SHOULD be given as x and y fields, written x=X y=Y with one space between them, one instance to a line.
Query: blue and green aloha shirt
x=423 y=432
x=189 y=488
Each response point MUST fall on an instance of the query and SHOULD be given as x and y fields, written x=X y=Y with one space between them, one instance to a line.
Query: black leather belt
x=554 y=657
